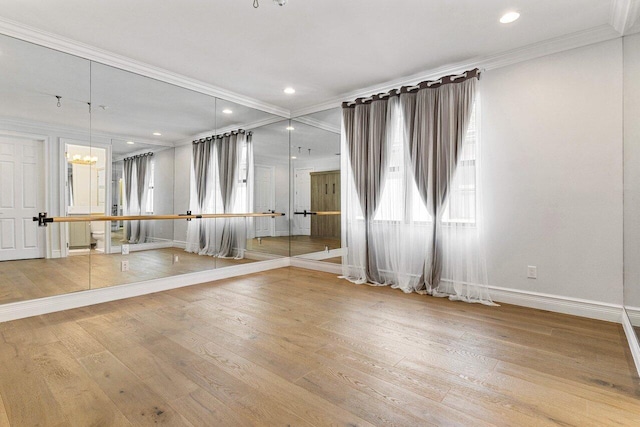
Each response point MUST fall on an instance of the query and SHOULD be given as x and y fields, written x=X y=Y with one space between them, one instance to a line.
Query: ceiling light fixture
x=256 y=4
x=289 y=91
x=157 y=134
x=130 y=142
x=227 y=111
x=509 y=17
x=290 y=128
x=293 y=157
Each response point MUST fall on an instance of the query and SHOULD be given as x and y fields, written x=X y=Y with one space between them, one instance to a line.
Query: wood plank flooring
x=293 y=347
x=37 y=278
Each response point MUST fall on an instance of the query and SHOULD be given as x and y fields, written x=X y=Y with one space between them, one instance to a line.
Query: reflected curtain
x=221 y=177
x=419 y=225
x=137 y=177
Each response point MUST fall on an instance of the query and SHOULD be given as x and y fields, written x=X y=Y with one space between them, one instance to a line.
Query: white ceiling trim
x=536 y=50
x=624 y=14
x=318 y=124
x=54 y=41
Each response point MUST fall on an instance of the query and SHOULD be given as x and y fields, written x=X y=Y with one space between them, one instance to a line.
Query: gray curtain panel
x=202 y=164
x=435 y=124
x=365 y=131
x=228 y=158
x=128 y=189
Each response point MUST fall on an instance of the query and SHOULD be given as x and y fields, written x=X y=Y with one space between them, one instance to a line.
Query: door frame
x=272 y=195
x=45 y=198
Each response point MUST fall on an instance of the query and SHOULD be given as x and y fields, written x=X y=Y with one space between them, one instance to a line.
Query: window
x=401 y=200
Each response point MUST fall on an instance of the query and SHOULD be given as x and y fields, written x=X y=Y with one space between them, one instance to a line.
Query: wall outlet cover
x=124 y=265
x=532 y=272
x=125 y=249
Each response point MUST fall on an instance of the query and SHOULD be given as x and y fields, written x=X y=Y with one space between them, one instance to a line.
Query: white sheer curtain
x=402 y=231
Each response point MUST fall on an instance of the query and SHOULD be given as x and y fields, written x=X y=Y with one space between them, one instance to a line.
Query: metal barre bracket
x=42 y=219
x=187 y=214
x=305 y=213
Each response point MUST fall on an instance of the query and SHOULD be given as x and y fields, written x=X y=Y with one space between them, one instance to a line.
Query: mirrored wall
x=315 y=182
x=632 y=179
x=82 y=140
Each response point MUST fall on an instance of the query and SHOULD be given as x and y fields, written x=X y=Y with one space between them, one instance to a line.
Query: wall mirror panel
x=44 y=115
x=174 y=151
x=315 y=182
x=632 y=179
x=268 y=237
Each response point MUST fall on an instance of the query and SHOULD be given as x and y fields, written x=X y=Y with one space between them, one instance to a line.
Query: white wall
x=552 y=165
x=632 y=172
x=163 y=192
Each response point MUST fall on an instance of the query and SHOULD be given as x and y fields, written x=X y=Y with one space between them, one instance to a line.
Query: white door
x=264 y=189
x=302 y=201
x=21 y=198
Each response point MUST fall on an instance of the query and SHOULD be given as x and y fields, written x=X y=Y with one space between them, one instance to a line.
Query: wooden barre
x=42 y=218
x=317 y=213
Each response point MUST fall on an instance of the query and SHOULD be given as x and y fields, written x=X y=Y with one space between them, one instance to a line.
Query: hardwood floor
x=38 y=278
x=301 y=348
x=294 y=245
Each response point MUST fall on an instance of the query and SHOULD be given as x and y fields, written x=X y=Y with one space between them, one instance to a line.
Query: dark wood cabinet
x=325 y=196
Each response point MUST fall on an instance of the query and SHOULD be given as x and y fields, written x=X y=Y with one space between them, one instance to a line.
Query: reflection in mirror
x=315 y=171
x=173 y=151
x=632 y=179
x=141 y=120
x=268 y=237
x=44 y=109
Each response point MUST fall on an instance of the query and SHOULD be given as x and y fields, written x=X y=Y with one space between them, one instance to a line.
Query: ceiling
x=324 y=49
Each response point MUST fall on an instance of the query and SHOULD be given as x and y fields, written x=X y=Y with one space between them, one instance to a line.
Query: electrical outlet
x=532 y=272
x=124 y=266
x=125 y=249
x=176 y=258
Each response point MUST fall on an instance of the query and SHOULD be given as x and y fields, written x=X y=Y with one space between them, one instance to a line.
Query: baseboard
x=179 y=244
x=634 y=314
x=559 y=304
x=261 y=256
x=320 y=255
x=632 y=338
x=22 y=309
x=309 y=264
x=150 y=245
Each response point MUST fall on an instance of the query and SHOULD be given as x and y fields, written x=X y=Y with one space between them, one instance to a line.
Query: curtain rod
x=212 y=137
x=138 y=155
x=427 y=84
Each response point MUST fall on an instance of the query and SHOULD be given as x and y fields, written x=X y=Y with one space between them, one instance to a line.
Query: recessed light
x=130 y=142
x=509 y=17
x=157 y=134
x=290 y=128
x=227 y=111
x=293 y=157
x=289 y=91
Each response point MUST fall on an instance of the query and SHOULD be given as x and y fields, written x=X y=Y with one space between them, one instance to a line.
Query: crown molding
x=63 y=44
x=490 y=62
x=624 y=14
x=318 y=124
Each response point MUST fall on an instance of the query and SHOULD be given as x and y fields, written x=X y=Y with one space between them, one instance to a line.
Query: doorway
x=22 y=196
x=264 y=199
